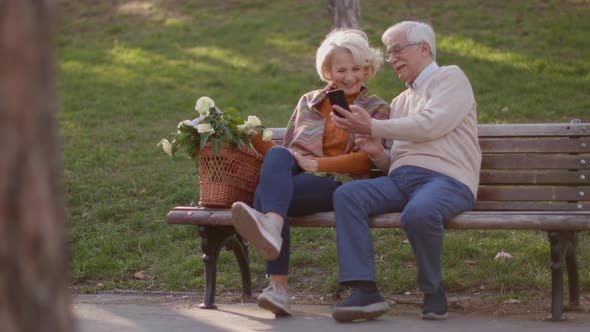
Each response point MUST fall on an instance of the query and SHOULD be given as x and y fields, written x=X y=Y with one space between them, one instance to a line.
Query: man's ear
x=426 y=48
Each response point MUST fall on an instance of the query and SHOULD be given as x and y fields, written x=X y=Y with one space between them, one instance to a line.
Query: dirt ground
x=535 y=307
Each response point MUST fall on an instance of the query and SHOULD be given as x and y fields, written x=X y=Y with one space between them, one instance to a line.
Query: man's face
x=406 y=58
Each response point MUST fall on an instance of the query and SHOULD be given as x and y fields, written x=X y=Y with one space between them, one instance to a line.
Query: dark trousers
x=426 y=199
x=287 y=191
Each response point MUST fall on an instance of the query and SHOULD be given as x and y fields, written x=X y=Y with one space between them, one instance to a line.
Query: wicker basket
x=229 y=177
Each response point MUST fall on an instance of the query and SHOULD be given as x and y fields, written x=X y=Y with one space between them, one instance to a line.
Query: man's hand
x=371 y=145
x=356 y=121
x=306 y=164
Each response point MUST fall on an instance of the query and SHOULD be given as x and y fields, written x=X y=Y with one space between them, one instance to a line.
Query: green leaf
x=233 y=114
x=181 y=138
x=216 y=146
x=229 y=134
x=195 y=156
x=204 y=139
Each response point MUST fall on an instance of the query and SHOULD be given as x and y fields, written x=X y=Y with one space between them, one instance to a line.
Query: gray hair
x=415 y=32
x=356 y=42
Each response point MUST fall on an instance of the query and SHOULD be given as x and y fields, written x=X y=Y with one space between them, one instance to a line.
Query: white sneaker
x=275 y=299
x=258 y=229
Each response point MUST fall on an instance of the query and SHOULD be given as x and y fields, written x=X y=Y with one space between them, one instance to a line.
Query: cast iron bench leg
x=241 y=252
x=213 y=239
x=563 y=252
x=571 y=260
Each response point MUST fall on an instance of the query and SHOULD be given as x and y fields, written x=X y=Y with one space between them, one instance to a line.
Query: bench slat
x=534 y=129
x=533 y=193
x=534 y=177
x=548 y=220
x=535 y=161
x=531 y=206
x=544 y=220
x=511 y=130
x=537 y=145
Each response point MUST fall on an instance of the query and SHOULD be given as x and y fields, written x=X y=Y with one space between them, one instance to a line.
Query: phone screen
x=337 y=97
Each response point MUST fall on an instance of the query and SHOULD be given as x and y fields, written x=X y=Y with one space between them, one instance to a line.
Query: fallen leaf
x=502 y=256
x=512 y=301
x=140 y=275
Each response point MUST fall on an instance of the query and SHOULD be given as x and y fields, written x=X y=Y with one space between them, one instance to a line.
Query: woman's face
x=345 y=74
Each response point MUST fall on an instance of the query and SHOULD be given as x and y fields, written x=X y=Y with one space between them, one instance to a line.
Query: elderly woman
x=316 y=158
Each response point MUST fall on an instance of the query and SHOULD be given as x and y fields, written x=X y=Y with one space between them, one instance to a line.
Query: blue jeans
x=426 y=199
x=284 y=189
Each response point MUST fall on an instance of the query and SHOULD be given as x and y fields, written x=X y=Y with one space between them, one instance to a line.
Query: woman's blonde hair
x=353 y=40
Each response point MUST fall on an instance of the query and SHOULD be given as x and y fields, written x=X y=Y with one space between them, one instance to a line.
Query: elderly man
x=432 y=158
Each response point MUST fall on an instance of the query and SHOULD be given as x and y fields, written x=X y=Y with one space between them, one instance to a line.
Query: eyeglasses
x=396 y=50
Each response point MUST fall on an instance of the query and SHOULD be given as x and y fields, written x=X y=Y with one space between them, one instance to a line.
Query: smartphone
x=337 y=97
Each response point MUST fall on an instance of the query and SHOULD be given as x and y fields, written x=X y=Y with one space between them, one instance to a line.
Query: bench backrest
x=530 y=166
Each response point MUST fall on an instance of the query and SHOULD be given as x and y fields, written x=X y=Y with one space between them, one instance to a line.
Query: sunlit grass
x=223 y=58
x=467 y=47
x=153 y=10
x=290 y=46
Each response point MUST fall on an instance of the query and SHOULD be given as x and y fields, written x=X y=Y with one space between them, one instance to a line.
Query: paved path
x=100 y=313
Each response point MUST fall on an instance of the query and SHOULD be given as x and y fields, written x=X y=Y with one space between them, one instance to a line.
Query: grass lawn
x=129 y=71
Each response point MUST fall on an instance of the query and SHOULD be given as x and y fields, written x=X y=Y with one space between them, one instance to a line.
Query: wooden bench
x=533 y=177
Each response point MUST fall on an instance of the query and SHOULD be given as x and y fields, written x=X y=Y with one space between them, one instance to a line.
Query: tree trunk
x=34 y=259
x=345 y=13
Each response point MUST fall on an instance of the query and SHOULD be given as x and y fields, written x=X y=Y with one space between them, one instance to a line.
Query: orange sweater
x=334 y=143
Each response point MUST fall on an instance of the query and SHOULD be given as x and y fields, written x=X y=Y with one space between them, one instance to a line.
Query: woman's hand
x=371 y=145
x=306 y=164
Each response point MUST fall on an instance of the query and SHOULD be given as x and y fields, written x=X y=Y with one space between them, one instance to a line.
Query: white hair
x=354 y=41
x=416 y=32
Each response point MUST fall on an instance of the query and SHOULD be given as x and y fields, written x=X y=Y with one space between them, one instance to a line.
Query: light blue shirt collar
x=424 y=75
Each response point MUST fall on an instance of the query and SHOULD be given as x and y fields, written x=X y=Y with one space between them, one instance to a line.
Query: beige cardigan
x=434 y=127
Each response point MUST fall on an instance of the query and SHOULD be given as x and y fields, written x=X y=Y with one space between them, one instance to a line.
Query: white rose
x=205 y=128
x=204 y=112
x=242 y=127
x=196 y=121
x=204 y=105
x=266 y=135
x=166 y=146
x=186 y=123
x=253 y=121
